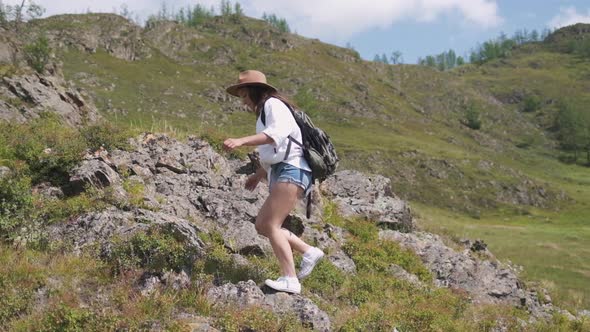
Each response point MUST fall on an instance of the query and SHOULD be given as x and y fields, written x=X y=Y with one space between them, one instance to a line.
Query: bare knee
x=262 y=228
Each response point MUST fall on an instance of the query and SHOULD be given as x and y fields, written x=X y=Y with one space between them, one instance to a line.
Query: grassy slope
x=410 y=122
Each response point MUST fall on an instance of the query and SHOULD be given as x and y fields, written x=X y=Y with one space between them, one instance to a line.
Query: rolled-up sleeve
x=277 y=121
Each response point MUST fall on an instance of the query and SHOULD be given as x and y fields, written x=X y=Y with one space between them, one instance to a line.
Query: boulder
x=93 y=172
x=308 y=312
x=486 y=281
x=100 y=228
x=369 y=196
x=247 y=293
x=39 y=93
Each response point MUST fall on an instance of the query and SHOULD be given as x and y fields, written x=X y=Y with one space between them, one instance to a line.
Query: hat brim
x=233 y=90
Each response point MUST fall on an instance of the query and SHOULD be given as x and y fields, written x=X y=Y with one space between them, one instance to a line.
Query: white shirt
x=280 y=124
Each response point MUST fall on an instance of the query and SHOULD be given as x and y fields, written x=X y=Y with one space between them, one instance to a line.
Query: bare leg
x=295 y=242
x=275 y=209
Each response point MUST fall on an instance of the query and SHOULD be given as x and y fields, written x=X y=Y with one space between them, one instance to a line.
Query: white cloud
x=341 y=19
x=569 y=16
x=336 y=20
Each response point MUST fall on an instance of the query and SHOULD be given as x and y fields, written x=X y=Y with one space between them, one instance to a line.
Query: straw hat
x=249 y=78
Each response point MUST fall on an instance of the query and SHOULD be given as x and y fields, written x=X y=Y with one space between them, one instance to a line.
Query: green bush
x=472 y=117
x=37 y=53
x=373 y=255
x=14 y=301
x=325 y=280
x=15 y=203
x=531 y=103
x=54 y=210
x=256 y=319
x=49 y=148
x=154 y=250
x=369 y=318
x=219 y=263
x=106 y=135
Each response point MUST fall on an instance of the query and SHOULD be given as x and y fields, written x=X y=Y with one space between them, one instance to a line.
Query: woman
x=289 y=175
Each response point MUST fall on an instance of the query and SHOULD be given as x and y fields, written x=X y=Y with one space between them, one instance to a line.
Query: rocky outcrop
x=191 y=189
x=369 y=196
x=100 y=228
x=247 y=293
x=30 y=95
x=113 y=33
x=485 y=280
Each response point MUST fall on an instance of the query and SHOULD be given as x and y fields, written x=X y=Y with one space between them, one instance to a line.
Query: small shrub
x=14 y=301
x=325 y=280
x=15 y=203
x=373 y=255
x=154 y=250
x=106 y=135
x=472 y=117
x=256 y=319
x=37 y=53
x=531 y=103
x=136 y=192
x=49 y=148
x=369 y=318
x=219 y=263
x=55 y=210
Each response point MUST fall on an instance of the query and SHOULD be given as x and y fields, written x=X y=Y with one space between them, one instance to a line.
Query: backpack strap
x=291 y=139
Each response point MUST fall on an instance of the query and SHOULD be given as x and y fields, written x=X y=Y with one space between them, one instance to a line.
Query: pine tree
x=396 y=57
x=225 y=8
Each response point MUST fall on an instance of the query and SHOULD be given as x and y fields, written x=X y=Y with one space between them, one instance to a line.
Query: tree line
x=572 y=126
x=494 y=48
x=198 y=14
x=395 y=58
x=12 y=16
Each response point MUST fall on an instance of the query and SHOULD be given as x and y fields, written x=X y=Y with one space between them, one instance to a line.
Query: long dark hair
x=260 y=94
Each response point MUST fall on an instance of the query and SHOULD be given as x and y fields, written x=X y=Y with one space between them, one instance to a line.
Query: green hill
x=503 y=183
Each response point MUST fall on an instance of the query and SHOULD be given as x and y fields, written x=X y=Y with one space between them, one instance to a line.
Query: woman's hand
x=232 y=143
x=252 y=182
x=255 y=178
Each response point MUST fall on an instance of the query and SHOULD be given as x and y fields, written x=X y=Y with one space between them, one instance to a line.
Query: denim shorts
x=283 y=172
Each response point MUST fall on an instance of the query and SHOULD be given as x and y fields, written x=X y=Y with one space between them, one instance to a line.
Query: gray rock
x=196 y=323
x=485 y=281
x=342 y=262
x=115 y=34
x=4 y=171
x=247 y=293
x=46 y=190
x=93 y=172
x=39 y=93
x=309 y=314
x=400 y=273
x=175 y=280
x=99 y=228
x=242 y=295
x=370 y=197
x=149 y=284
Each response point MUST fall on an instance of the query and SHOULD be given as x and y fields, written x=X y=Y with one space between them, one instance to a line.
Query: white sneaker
x=285 y=284
x=310 y=258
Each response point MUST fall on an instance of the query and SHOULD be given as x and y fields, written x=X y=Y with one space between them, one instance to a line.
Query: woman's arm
x=258 y=139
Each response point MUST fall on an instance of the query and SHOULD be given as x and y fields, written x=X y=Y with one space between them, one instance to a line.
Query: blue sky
x=416 y=39
x=414 y=27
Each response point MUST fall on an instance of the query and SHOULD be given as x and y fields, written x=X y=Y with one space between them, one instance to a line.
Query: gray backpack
x=318 y=150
